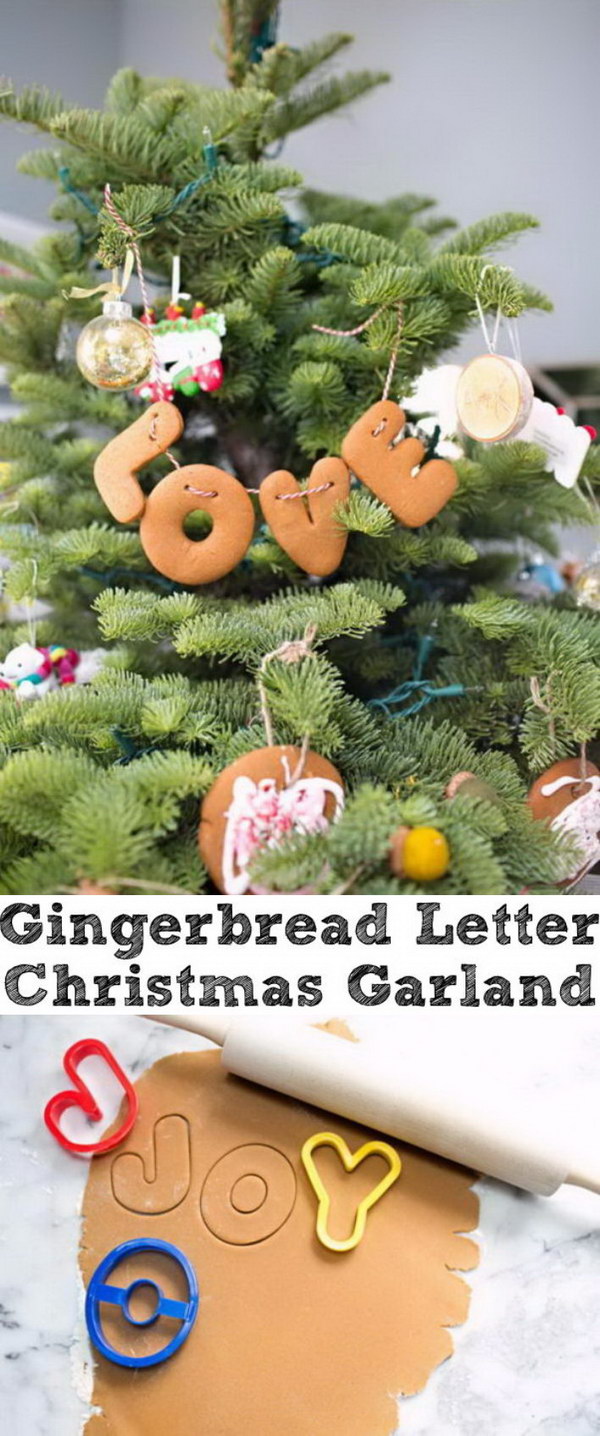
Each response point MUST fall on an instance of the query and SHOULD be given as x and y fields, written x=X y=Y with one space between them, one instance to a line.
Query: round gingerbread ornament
x=256 y=802
x=570 y=803
x=494 y=396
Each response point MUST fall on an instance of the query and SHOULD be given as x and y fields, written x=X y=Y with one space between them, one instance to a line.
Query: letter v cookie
x=387 y=468
x=307 y=527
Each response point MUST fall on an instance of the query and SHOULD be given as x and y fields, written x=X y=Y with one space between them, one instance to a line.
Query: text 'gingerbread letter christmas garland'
x=303 y=521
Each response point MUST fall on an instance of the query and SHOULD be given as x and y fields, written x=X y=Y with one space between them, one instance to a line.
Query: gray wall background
x=494 y=104
x=70 y=46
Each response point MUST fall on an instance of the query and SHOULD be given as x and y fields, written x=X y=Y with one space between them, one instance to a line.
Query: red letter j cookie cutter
x=79 y=1095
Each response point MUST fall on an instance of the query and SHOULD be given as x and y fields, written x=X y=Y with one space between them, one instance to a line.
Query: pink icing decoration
x=261 y=814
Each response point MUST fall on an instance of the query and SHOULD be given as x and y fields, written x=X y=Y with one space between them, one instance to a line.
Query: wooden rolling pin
x=475 y=1126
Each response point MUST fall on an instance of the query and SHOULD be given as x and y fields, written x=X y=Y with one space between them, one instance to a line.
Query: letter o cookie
x=186 y=561
x=248 y=1195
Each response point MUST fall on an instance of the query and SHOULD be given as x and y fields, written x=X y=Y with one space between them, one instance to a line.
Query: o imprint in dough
x=248 y=1195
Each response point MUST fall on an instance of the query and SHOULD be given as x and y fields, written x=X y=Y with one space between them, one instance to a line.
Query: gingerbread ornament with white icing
x=570 y=803
x=259 y=800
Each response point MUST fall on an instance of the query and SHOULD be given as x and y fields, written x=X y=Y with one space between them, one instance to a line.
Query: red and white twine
x=360 y=329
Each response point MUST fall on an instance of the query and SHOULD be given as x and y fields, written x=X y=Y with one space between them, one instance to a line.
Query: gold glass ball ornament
x=115 y=351
x=494 y=396
x=586 y=586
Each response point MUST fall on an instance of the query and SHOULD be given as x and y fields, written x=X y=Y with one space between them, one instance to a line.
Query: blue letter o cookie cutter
x=183 y=1311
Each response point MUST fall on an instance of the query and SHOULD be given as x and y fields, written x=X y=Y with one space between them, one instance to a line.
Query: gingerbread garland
x=308 y=530
x=303 y=521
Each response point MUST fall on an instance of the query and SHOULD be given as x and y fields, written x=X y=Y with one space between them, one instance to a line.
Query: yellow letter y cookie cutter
x=350 y=1161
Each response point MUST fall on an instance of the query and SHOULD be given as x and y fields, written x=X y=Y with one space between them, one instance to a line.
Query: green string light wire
x=400 y=697
x=128 y=748
x=211 y=159
x=112 y=575
x=416 y=692
x=264 y=37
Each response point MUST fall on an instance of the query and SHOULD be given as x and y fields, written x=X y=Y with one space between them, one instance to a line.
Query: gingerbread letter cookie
x=414 y=495
x=163 y=512
x=307 y=528
x=116 y=467
x=190 y=561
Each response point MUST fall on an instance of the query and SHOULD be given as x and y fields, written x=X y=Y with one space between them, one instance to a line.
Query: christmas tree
x=414 y=661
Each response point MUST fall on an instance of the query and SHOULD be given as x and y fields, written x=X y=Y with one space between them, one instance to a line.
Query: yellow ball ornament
x=115 y=351
x=421 y=854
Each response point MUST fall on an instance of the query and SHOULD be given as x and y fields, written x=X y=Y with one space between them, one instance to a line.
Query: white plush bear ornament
x=32 y=672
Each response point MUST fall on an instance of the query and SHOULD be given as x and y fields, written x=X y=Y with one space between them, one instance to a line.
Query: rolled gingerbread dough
x=290 y=1337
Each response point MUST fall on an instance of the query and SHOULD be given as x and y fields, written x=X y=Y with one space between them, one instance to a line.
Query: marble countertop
x=526 y=1363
